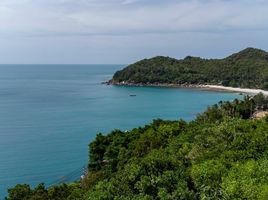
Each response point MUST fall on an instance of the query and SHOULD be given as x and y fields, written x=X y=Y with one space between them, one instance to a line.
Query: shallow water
x=50 y=113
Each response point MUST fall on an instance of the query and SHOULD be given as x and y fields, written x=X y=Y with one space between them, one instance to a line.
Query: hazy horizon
x=123 y=64
x=124 y=31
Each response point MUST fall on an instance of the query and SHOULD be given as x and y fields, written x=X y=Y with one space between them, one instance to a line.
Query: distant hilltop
x=247 y=69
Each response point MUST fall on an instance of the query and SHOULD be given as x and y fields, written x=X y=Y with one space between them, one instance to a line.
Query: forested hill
x=247 y=68
x=222 y=154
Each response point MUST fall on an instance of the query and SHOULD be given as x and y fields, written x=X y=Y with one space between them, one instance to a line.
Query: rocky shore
x=218 y=88
x=175 y=85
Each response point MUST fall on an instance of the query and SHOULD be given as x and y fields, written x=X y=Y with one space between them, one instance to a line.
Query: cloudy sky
x=123 y=31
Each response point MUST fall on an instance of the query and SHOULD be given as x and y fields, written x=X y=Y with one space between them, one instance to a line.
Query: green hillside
x=222 y=154
x=247 y=69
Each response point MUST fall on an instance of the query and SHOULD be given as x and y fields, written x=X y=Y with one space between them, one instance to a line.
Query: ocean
x=50 y=113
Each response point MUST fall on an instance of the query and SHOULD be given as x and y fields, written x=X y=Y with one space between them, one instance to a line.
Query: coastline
x=218 y=88
x=234 y=89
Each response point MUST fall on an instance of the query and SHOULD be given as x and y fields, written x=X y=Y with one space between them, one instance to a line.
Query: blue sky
x=123 y=31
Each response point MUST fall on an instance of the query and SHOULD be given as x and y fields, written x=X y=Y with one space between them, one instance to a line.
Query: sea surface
x=50 y=113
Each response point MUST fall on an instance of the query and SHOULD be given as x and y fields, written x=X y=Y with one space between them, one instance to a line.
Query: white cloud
x=130 y=1
x=88 y=30
x=70 y=17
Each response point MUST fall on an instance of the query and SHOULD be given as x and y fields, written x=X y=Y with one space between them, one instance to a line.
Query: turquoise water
x=50 y=113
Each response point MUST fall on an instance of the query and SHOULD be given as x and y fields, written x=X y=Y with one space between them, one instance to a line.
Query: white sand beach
x=234 y=89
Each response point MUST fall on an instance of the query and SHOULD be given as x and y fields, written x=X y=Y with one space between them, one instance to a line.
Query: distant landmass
x=246 y=69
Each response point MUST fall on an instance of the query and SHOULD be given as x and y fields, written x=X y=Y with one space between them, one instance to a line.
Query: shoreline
x=234 y=89
x=209 y=87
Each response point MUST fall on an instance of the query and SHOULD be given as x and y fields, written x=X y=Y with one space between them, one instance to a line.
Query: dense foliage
x=248 y=69
x=221 y=155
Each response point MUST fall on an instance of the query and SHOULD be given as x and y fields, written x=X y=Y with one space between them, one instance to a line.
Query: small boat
x=132 y=95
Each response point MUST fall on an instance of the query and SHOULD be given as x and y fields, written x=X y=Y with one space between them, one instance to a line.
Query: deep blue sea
x=50 y=113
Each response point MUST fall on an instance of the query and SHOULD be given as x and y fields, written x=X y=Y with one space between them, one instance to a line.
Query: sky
x=124 y=31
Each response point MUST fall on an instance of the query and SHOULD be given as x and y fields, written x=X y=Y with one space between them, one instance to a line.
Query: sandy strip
x=233 y=89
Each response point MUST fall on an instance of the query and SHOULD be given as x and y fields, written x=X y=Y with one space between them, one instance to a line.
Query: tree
x=19 y=192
